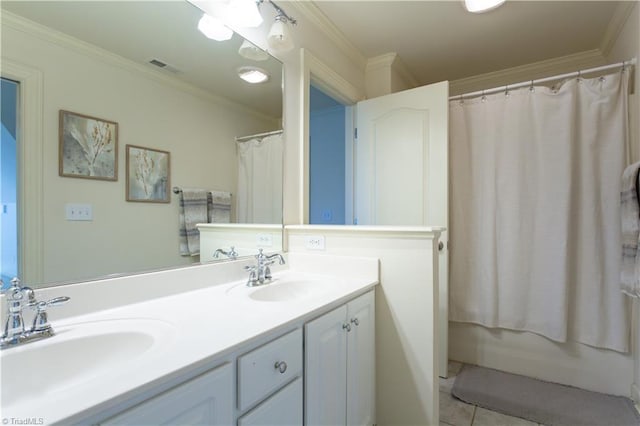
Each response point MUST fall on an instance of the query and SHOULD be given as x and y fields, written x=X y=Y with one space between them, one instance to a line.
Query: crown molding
x=312 y=13
x=392 y=61
x=329 y=81
x=576 y=61
x=18 y=23
x=620 y=16
x=381 y=61
x=401 y=67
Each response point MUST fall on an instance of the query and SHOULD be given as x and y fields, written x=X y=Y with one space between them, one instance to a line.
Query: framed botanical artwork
x=88 y=147
x=148 y=175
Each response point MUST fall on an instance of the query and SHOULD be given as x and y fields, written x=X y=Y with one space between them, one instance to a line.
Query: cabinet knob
x=346 y=326
x=281 y=366
x=355 y=321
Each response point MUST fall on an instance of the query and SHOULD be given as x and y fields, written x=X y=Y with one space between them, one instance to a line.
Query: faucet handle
x=41 y=320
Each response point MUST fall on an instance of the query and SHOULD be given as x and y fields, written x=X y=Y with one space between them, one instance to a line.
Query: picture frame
x=148 y=174
x=88 y=147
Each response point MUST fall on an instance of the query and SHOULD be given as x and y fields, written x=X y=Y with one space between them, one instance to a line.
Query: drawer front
x=283 y=408
x=204 y=400
x=262 y=372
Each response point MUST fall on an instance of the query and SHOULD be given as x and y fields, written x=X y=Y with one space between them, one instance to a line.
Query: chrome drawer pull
x=346 y=327
x=281 y=366
x=355 y=321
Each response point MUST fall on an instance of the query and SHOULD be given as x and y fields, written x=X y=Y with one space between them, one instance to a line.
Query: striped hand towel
x=630 y=215
x=219 y=207
x=193 y=210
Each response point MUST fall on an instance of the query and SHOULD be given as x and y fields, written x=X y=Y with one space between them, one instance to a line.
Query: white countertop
x=193 y=327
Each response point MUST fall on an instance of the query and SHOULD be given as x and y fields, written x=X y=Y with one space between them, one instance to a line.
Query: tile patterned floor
x=454 y=412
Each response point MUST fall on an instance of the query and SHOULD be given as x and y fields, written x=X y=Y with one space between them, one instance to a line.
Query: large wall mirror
x=145 y=66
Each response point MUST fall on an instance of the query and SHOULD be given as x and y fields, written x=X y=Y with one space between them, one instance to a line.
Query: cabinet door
x=361 y=379
x=326 y=369
x=205 y=400
x=283 y=408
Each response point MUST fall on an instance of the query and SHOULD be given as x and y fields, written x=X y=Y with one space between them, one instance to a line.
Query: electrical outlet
x=82 y=212
x=264 y=240
x=314 y=242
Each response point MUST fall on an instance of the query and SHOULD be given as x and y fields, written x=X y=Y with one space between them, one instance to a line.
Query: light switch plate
x=82 y=212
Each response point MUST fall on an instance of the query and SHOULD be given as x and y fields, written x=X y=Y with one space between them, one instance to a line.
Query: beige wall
x=198 y=131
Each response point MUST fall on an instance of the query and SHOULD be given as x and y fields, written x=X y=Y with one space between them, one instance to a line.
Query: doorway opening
x=329 y=160
x=9 y=181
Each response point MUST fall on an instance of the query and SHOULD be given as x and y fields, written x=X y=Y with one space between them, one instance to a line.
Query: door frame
x=316 y=72
x=30 y=180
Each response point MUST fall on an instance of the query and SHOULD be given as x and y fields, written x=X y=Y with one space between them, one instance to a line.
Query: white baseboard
x=635 y=394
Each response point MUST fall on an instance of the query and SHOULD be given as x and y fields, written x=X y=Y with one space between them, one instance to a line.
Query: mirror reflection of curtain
x=259 y=198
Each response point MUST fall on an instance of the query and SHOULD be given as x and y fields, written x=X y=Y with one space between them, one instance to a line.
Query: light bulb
x=479 y=6
x=244 y=13
x=214 y=29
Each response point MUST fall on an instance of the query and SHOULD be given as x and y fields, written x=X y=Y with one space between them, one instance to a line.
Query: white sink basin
x=77 y=354
x=286 y=290
x=283 y=289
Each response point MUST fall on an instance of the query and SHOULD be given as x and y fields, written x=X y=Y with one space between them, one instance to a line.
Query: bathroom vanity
x=220 y=354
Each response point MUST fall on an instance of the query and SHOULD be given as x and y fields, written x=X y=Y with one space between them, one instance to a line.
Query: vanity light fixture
x=244 y=13
x=251 y=51
x=214 y=29
x=279 y=38
x=480 y=6
x=253 y=75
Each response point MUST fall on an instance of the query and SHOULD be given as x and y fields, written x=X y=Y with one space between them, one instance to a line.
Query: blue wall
x=8 y=183
x=326 y=160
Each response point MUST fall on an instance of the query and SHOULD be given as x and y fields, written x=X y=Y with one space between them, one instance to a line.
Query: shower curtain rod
x=630 y=62
x=258 y=135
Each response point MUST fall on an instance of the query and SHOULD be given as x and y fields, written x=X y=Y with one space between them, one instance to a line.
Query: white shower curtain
x=259 y=198
x=535 y=220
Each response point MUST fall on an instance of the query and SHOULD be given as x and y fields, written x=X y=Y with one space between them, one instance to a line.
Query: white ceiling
x=163 y=30
x=440 y=40
x=437 y=40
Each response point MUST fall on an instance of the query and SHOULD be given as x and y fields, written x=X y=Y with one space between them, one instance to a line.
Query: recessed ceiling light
x=479 y=6
x=253 y=74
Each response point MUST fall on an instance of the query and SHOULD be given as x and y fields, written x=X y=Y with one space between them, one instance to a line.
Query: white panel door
x=402 y=172
x=326 y=369
x=361 y=349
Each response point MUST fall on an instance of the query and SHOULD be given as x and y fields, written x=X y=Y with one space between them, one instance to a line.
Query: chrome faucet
x=231 y=254
x=261 y=272
x=19 y=298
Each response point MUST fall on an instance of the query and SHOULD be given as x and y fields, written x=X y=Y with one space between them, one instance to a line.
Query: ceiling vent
x=158 y=63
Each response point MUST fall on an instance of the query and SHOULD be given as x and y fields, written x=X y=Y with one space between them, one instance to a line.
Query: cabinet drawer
x=259 y=371
x=204 y=400
x=283 y=408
